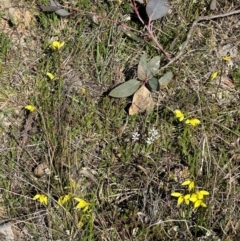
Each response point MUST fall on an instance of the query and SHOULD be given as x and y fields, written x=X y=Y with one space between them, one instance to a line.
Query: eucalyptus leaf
x=165 y=79
x=153 y=65
x=126 y=89
x=154 y=84
x=55 y=3
x=49 y=8
x=62 y=12
x=157 y=9
x=142 y=67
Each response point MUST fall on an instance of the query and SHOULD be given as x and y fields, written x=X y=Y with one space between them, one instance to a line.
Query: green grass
x=84 y=136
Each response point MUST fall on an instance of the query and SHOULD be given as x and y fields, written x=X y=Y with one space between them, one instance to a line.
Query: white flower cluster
x=152 y=136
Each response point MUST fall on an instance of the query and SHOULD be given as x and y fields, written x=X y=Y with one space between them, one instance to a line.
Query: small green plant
x=143 y=85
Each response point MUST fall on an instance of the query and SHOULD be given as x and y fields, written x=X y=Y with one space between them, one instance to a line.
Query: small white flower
x=153 y=133
x=150 y=140
x=135 y=136
x=47 y=171
x=57 y=178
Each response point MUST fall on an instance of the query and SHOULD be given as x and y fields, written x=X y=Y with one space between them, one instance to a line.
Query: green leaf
x=165 y=79
x=126 y=89
x=154 y=84
x=153 y=65
x=142 y=67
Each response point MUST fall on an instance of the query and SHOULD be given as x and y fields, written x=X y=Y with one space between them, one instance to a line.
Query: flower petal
x=180 y=200
x=186 y=183
x=193 y=122
x=203 y=204
x=226 y=58
x=204 y=192
x=198 y=203
x=82 y=204
x=50 y=75
x=176 y=194
x=214 y=75
x=193 y=198
x=36 y=196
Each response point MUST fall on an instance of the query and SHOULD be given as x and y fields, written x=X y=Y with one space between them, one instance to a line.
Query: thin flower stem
x=160 y=47
x=150 y=32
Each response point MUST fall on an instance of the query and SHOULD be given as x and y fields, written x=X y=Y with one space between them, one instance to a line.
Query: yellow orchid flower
x=30 y=108
x=82 y=204
x=179 y=115
x=43 y=199
x=193 y=122
x=56 y=45
x=214 y=75
x=63 y=199
x=226 y=58
x=189 y=183
x=181 y=198
x=197 y=198
x=50 y=76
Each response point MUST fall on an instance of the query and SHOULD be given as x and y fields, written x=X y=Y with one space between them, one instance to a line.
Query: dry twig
x=200 y=19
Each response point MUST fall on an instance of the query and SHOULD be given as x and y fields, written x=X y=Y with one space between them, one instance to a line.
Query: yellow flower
x=80 y=224
x=189 y=183
x=56 y=45
x=51 y=76
x=226 y=58
x=72 y=186
x=83 y=91
x=179 y=115
x=181 y=198
x=197 y=198
x=63 y=199
x=43 y=199
x=193 y=121
x=82 y=204
x=30 y=108
x=214 y=75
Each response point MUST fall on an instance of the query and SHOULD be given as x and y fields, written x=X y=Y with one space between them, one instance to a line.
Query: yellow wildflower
x=80 y=224
x=63 y=199
x=83 y=90
x=82 y=204
x=226 y=58
x=179 y=115
x=181 y=198
x=193 y=122
x=56 y=45
x=214 y=75
x=43 y=199
x=51 y=76
x=30 y=108
x=189 y=183
x=72 y=186
x=197 y=198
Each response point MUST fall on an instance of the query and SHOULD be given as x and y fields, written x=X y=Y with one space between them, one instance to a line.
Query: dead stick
x=202 y=18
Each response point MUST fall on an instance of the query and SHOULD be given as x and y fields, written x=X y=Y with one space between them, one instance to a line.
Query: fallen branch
x=200 y=19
